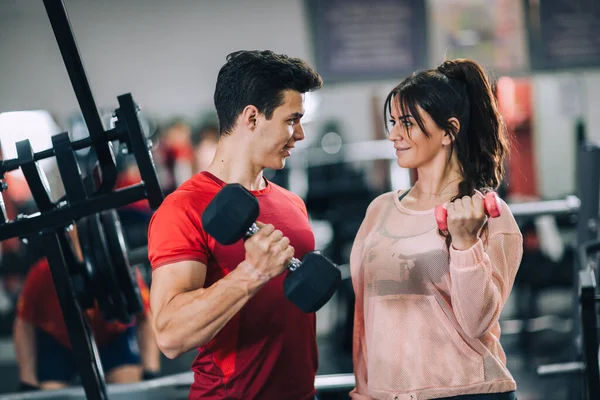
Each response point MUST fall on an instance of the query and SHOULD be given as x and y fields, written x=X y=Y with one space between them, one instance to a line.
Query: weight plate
x=127 y=113
x=123 y=270
x=105 y=271
x=68 y=167
x=88 y=284
x=35 y=177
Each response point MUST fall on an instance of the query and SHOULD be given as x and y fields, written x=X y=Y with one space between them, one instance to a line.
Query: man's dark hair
x=259 y=78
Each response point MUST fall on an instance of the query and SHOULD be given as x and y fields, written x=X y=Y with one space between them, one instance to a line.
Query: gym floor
x=549 y=345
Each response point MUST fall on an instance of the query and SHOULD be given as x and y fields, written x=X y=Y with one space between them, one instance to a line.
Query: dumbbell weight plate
x=312 y=284
x=107 y=282
x=118 y=254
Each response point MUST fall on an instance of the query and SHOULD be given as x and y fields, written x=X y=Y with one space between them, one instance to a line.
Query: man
x=43 y=349
x=228 y=301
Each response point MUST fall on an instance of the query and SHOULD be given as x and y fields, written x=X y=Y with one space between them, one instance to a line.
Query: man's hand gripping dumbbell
x=231 y=216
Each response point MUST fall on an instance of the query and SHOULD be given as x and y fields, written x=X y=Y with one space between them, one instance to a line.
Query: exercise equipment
x=174 y=386
x=105 y=274
x=491 y=203
x=231 y=216
x=108 y=273
x=88 y=194
x=586 y=365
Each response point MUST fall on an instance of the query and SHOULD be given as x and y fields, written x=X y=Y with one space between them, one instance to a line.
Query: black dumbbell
x=231 y=216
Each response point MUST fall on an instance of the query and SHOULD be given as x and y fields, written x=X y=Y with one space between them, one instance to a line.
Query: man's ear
x=249 y=117
x=448 y=136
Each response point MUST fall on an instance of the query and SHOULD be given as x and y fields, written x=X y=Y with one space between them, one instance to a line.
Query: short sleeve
x=175 y=232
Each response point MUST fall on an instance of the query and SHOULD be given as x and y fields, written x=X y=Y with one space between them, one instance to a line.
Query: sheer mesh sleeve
x=482 y=277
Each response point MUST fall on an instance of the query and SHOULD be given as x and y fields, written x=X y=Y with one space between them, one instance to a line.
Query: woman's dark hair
x=259 y=78
x=461 y=89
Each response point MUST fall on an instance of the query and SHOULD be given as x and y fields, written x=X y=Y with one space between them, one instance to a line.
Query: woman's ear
x=450 y=135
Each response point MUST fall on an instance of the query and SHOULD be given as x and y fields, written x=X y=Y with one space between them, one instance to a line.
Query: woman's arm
x=482 y=280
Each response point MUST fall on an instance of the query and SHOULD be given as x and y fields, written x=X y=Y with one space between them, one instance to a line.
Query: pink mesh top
x=426 y=322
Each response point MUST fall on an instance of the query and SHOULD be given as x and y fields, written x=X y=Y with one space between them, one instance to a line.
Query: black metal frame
x=589 y=319
x=83 y=197
x=68 y=47
x=86 y=354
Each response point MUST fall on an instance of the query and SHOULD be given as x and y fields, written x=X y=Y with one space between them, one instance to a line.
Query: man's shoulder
x=197 y=192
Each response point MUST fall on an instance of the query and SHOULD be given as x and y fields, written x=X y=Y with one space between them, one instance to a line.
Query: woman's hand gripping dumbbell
x=231 y=216
x=468 y=214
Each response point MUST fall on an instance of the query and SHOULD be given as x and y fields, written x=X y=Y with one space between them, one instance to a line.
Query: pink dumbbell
x=491 y=202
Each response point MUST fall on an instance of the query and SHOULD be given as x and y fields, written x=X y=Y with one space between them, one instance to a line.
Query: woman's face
x=413 y=146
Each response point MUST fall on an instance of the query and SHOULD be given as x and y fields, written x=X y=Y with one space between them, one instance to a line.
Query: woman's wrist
x=464 y=243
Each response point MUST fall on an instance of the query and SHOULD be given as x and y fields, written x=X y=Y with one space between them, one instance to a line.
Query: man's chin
x=276 y=165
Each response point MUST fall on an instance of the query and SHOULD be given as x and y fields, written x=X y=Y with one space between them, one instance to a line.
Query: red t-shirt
x=39 y=305
x=268 y=350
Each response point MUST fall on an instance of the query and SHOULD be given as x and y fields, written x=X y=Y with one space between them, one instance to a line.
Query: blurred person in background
x=204 y=143
x=174 y=155
x=44 y=354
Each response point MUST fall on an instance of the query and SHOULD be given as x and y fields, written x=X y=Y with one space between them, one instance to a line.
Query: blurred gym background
x=543 y=54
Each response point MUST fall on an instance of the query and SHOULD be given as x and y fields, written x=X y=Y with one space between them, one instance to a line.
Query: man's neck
x=233 y=164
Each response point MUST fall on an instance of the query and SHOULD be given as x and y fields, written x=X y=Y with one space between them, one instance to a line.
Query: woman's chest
x=409 y=265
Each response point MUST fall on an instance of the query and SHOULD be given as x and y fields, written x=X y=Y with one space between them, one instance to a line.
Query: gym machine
x=90 y=199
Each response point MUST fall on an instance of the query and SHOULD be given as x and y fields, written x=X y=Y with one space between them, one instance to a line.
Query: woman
x=427 y=301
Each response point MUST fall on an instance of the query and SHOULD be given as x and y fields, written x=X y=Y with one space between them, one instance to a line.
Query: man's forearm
x=193 y=318
x=25 y=349
x=149 y=352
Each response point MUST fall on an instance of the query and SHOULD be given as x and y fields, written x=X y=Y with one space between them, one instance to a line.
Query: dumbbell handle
x=294 y=262
x=491 y=203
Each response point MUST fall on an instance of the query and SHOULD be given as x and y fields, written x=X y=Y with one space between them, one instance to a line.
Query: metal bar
x=570 y=205
x=15 y=163
x=64 y=215
x=86 y=354
x=589 y=327
x=349 y=152
x=160 y=388
x=65 y=39
x=588 y=189
x=550 y=370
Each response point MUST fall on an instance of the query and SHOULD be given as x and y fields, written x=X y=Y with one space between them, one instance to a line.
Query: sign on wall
x=564 y=33
x=361 y=40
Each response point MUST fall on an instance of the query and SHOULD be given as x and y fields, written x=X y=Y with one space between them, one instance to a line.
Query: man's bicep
x=173 y=279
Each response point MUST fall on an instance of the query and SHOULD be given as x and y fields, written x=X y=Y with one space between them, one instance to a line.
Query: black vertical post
x=85 y=352
x=588 y=191
x=589 y=329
